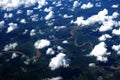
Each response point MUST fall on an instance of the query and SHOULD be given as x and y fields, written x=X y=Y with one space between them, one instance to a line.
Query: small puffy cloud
x=29 y=12
x=25 y=31
x=65 y=42
x=67 y=16
x=48 y=9
x=115 y=15
x=23 y=21
x=8 y=15
x=14 y=4
x=115 y=6
x=92 y=65
x=75 y=4
x=58 y=61
x=34 y=17
x=41 y=43
x=14 y=55
x=33 y=32
x=49 y=16
x=104 y=37
x=116 y=31
x=100 y=52
x=54 y=78
x=50 y=51
x=10 y=46
x=87 y=6
x=116 y=48
x=12 y=26
x=2 y=23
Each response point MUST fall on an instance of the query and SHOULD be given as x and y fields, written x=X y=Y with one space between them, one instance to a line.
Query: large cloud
x=41 y=43
x=14 y=4
x=58 y=61
x=100 y=52
x=10 y=46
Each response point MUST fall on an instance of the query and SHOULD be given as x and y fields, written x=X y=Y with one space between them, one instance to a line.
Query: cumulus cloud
x=75 y=4
x=14 y=55
x=106 y=22
x=14 y=4
x=8 y=15
x=67 y=16
x=23 y=21
x=115 y=6
x=54 y=78
x=41 y=43
x=29 y=12
x=104 y=37
x=32 y=32
x=2 y=23
x=58 y=61
x=12 y=26
x=49 y=16
x=116 y=48
x=100 y=52
x=87 y=6
x=65 y=42
x=10 y=46
x=50 y=51
x=116 y=31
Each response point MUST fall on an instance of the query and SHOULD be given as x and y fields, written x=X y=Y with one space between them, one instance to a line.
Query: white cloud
x=29 y=12
x=115 y=6
x=48 y=9
x=92 y=65
x=14 y=55
x=50 y=51
x=12 y=26
x=106 y=22
x=100 y=52
x=14 y=4
x=116 y=31
x=87 y=6
x=41 y=43
x=2 y=23
x=58 y=61
x=23 y=21
x=32 y=32
x=67 y=16
x=75 y=4
x=116 y=48
x=54 y=78
x=65 y=42
x=34 y=17
x=49 y=16
x=104 y=37
x=8 y=15
x=10 y=46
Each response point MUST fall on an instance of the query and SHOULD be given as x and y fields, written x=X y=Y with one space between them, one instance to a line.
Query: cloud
x=23 y=21
x=75 y=4
x=12 y=26
x=87 y=6
x=116 y=48
x=10 y=46
x=67 y=16
x=65 y=42
x=58 y=61
x=100 y=52
x=115 y=6
x=54 y=78
x=106 y=22
x=50 y=51
x=14 y=4
x=41 y=43
x=104 y=37
x=14 y=55
x=8 y=15
x=32 y=32
x=49 y=16
x=116 y=31
x=2 y=23
x=29 y=12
